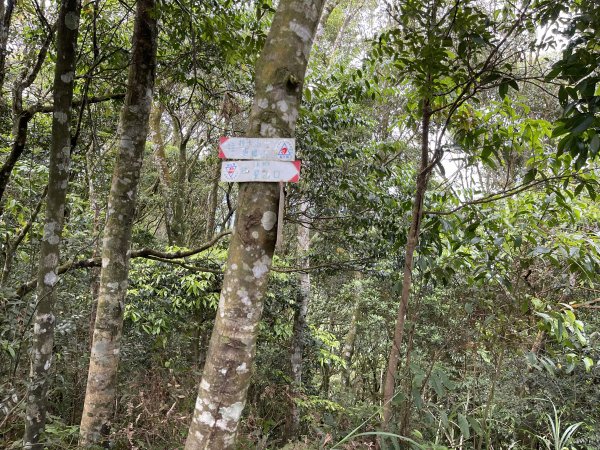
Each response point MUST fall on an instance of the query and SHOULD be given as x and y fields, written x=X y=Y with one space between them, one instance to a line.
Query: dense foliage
x=501 y=343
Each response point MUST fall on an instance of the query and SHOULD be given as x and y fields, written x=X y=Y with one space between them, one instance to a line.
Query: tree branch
x=143 y=253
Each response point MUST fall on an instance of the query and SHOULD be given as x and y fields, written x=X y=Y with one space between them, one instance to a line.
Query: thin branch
x=501 y=195
x=143 y=253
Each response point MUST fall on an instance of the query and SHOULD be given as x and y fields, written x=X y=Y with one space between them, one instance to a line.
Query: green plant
x=558 y=439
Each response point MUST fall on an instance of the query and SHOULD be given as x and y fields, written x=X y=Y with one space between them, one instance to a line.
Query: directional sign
x=270 y=171
x=271 y=149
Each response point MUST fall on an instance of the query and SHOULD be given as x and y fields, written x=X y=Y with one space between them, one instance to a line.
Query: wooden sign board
x=260 y=171
x=271 y=149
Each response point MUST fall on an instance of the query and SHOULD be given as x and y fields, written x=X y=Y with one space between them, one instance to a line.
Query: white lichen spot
x=47 y=365
x=242 y=368
x=199 y=436
x=267 y=130
x=60 y=116
x=243 y=296
x=234 y=266
x=282 y=105
x=50 y=278
x=72 y=20
x=223 y=371
x=230 y=415
x=49 y=318
x=105 y=262
x=67 y=77
x=291 y=117
x=268 y=220
x=255 y=234
x=301 y=31
x=113 y=286
x=269 y=88
x=222 y=306
x=261 y=266
x=206 y=418
x=51 y=259
x=263 y=103
x=205 y=385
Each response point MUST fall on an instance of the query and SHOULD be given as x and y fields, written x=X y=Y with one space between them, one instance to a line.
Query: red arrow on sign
x=260 y=171
x=263 y=149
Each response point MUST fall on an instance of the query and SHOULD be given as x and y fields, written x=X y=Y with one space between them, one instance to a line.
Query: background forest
x=436 y=281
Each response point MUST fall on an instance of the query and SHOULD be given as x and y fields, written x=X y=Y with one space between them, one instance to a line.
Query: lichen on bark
x=60 y=159
x=280 y=73
x=133 y=130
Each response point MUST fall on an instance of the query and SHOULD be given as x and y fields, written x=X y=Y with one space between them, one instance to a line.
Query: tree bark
x=160 y=161
x=299 y=329
x=348 y=348
x=411 y=245
x=60 y=160
x=280 y=74
x=104 y=359
x=213 y=202
x=330 y=5
x=6 y=12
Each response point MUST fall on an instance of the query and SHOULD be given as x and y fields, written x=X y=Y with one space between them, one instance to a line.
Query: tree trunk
x=299 y=329
x=60 y=160
x=213 y=202
x=94 y=272
x=330 y=5
x=348 y=348
x=5 y=18
x=180 y=185
x=102 y=376
x=160 y=161
x=280 y=75
x=411 y=245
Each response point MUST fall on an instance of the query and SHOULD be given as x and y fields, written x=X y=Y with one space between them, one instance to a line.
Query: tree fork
x=280 y=73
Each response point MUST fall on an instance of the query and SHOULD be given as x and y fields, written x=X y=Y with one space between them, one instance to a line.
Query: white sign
x=272 y=149
x=259 y=171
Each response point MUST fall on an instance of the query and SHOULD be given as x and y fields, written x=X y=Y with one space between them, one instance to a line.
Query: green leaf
x=594 y=145
x=588 y=363
x=582 y=123
x=540 y=250
x=530 y=175
x=503 y=90
x=463 y=424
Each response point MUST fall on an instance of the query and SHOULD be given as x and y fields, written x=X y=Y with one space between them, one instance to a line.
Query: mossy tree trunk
x=58 y=179
x=133 y=129
x=280 y=75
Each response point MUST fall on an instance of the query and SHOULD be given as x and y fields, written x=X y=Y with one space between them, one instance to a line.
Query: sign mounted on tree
x=260 y=171
x=269 y=149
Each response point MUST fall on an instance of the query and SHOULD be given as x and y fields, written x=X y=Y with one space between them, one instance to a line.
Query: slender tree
x=299 y=328
x=104 y=359
x=280 y=75
x=60 y=159
x=6 y=12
